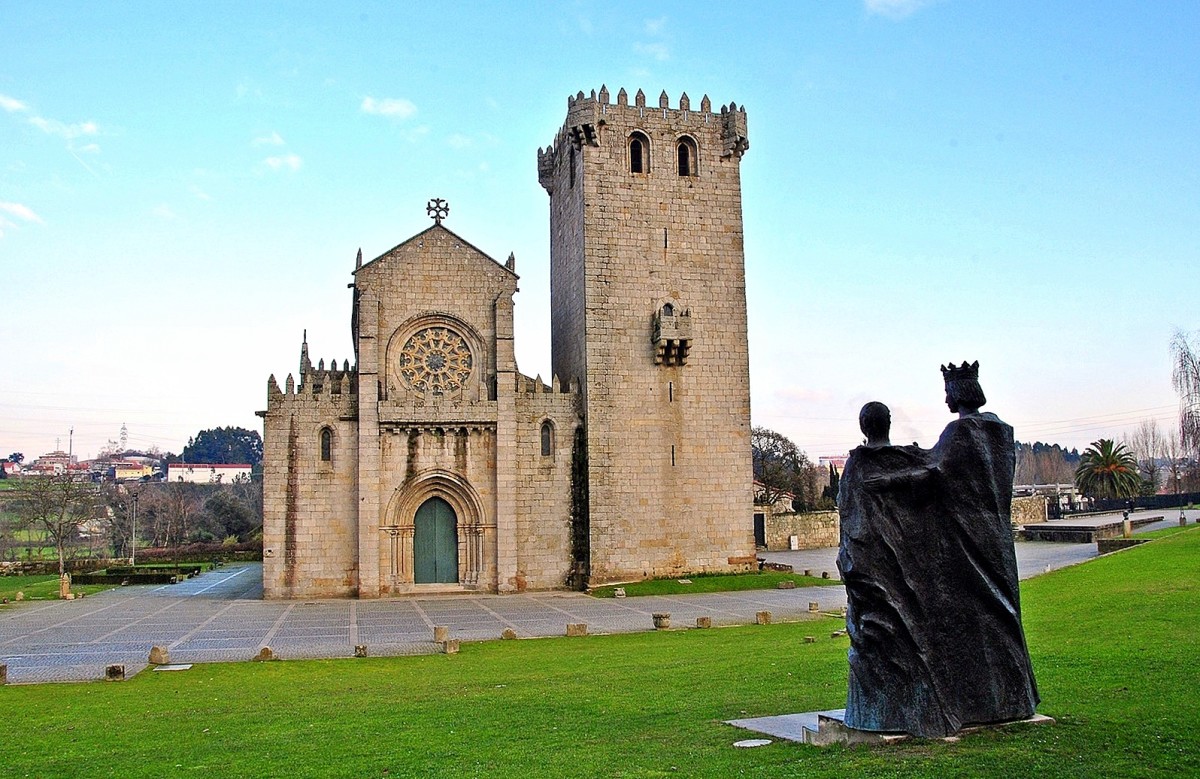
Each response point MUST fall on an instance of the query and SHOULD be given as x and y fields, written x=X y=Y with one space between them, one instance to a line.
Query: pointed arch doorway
x=435 y=543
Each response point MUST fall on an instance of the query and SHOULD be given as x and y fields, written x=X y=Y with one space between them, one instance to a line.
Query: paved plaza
x=220 y=616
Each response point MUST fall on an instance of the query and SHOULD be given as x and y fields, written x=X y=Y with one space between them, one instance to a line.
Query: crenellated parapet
x=589 y=115
x=332 y=391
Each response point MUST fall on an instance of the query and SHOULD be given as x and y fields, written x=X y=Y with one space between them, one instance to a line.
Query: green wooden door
x=435 y=543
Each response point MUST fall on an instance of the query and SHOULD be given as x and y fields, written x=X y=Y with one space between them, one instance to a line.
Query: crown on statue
x=954 y=372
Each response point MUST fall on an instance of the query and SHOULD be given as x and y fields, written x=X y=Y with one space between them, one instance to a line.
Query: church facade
x=431 y=464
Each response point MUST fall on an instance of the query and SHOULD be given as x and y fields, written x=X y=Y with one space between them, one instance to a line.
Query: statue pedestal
x=822 y=728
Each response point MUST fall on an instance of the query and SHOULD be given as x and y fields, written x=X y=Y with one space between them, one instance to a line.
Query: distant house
x=130 y=470
x=11 y=468
x=208 y=473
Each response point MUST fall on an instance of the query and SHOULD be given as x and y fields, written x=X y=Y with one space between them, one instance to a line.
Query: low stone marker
x=441 y=633
x=810 y=639
x=824 y=574
x=814 y=607
x=360 y=650
x=762 y=618
x=265 y=654
x=159 y=655
x=64 y=586
x=619 y=592
x=3 y=673
x=20 y=596
x=837 y=634
x=509 y=634
x=576 y=628
x=114 y=673
x=704 y=622
x=786 y=584
x=662 y=620
x=450 y=646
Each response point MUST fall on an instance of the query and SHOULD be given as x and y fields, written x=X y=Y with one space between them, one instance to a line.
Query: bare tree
x=1173 y=453
x=1186 y=377
x=58 y=505
x=1146 y=443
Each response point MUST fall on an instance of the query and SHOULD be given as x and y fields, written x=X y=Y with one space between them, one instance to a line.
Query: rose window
x=435 y=360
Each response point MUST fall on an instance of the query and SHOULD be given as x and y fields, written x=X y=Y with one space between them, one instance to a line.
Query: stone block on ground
x=114 y=673
x=266 y=654
x=814 y=607
x=441 y=633
x=786 y=584
x=159 y=655
x=662 y=620
x=450 y=646
x=509 y=634
x=704 y=622
x=762 y=618
x=576 y=628
x=360 y=650
x=3 y=673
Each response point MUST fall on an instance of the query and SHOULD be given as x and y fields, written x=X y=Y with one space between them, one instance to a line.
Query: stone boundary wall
x=813 y=529
x=1029 y=510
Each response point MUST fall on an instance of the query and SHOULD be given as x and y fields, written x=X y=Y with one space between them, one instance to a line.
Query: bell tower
x=648 y=295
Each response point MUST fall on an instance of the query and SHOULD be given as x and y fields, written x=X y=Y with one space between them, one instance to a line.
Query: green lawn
x=758 y=580
x=1113 y=644
x=42 y=587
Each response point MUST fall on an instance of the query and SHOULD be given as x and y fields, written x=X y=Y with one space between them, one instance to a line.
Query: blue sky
x=183 y=190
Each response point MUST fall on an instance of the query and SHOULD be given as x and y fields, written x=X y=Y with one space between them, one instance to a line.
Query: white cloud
x=21 y=211
x=398 y=108
x=895 y=9
x=91 y=148
x=163 y=211
x=659 y=51
x=655 y=26
x=11 y=104
x=290 y=161
x=274 y=139
x=65 y=131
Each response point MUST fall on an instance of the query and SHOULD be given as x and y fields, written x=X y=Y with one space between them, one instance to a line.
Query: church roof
x=434 y=228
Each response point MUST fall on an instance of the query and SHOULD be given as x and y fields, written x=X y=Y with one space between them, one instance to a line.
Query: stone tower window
x=571 y=165
x=639 y=153
x=547 y=438
x=326 y=445
x=672 y=336
x=686 y=149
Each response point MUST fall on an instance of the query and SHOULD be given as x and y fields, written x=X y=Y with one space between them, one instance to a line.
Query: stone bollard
x=441 y=633
x=509 y=634
x=3 y=673
x=814 y=607
x=576 y=628
x=20 y=597
x=824 y=574
x=159 y=655
x=360 y=650
x=114 y=673
x=1127 y=526
x=704 y=622
x=808 y=572
x=450 y=646
x=265 y=654
x=786 y=584
x=762 y=618
x=810 y=639
x=64 y=586
x=619 y=592
x=662 y=621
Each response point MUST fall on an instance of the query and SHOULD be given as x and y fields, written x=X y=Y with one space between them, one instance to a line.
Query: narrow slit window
x=547 y=439
x=326 y=444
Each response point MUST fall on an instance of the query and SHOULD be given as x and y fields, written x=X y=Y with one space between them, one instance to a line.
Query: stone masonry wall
x=813 y=529
x=1029 y=510
x=309 y=520
x=668 y=445
x=543 y=494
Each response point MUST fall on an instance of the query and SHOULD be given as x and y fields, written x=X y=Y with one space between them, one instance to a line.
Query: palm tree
x=1108 y=470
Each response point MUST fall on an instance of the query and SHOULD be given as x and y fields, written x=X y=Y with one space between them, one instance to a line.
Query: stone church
x=432 y=464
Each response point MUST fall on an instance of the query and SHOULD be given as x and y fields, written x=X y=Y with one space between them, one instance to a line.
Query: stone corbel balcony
x=672 y=338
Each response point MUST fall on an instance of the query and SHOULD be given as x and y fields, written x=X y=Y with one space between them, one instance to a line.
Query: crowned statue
x=926 y=554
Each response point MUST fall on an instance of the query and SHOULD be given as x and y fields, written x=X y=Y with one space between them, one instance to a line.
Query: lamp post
x=133 y=532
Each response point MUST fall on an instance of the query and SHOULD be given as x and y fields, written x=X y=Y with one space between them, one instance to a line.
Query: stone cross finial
x=438 y=210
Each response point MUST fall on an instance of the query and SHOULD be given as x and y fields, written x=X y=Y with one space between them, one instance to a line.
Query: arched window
x=639 y=153
x=547 y=438
x=687 y=157
x=326 y=445
x=668 y=309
